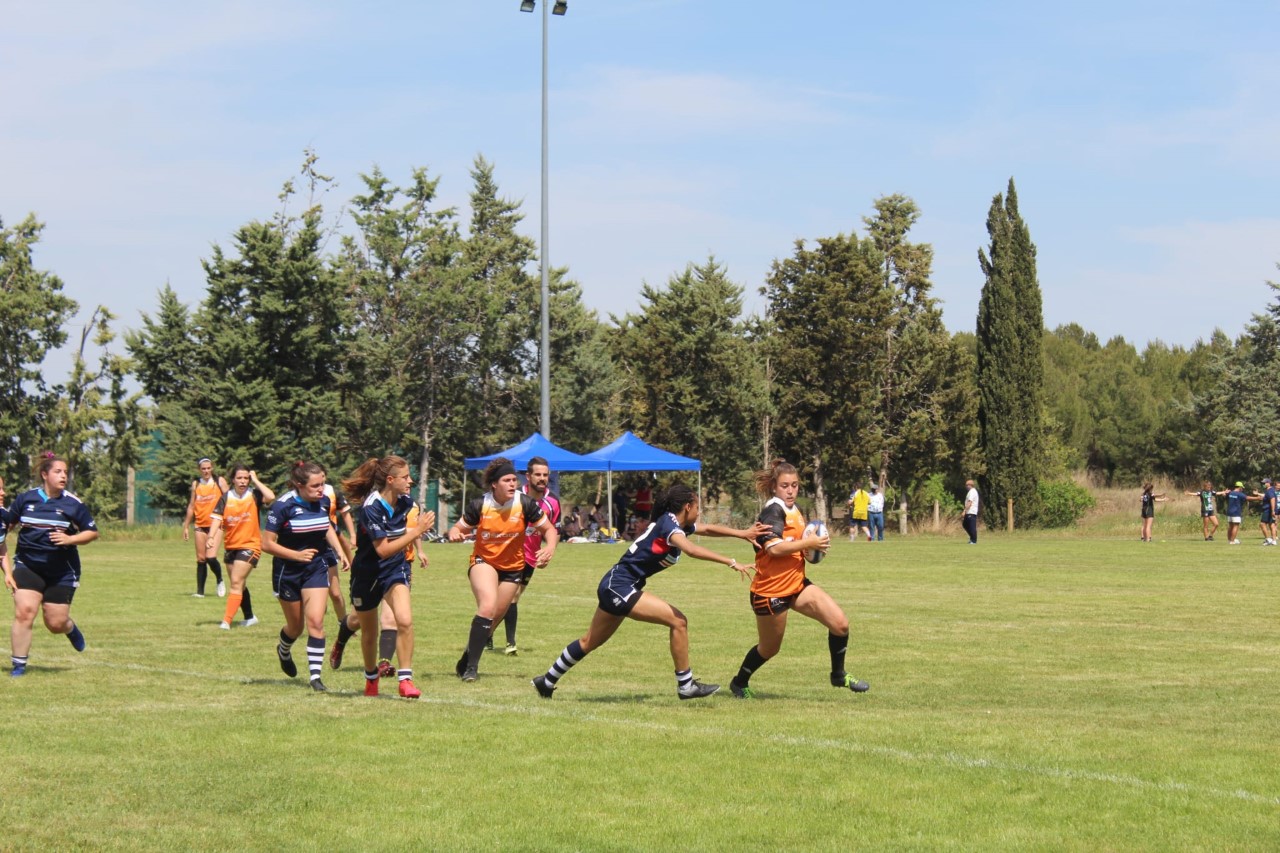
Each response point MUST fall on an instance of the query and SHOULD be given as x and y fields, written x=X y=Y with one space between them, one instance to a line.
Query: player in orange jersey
x=205 y=491
x=499 y=519
x=780 y=583
x=237 y=515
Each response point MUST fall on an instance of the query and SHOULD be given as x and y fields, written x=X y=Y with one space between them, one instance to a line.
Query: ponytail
x=371 y=476
x=672 y=500
x=766 y=481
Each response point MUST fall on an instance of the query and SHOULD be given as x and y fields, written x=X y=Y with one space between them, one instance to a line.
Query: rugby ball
x=813 y=555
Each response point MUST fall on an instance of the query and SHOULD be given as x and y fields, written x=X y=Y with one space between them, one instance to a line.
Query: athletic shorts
x=1207 y=513
x=526 y=575
x=619 y=591
x=242 y=555
x=1267 y=517
x=1235 y=519
x=762 y=605
x=330 y=558
x=56 y=587
x=289 y=579
x=516 y=576
x=368 y=589
x=203 y=530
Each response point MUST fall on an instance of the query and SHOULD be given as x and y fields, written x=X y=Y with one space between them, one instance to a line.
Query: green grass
x=1030 y=693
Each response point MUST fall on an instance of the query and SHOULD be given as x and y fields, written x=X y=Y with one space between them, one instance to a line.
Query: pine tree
x=1010 y=377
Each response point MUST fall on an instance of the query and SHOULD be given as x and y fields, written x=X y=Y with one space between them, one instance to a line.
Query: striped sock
x=284 y=648
x=370 y=675
x=684 y=677
x=404 y=675
x=315 y=656
x=571 y=655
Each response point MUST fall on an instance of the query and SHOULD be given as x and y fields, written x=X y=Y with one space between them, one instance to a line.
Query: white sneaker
x=222 y=590
x=226 y=626
x=1234 y=542
x=250 y=622
x=197 y=595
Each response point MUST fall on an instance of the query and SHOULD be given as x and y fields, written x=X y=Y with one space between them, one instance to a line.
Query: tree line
x=400 y=325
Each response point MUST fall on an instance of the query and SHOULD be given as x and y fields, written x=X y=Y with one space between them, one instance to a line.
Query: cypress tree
x=1010 y=365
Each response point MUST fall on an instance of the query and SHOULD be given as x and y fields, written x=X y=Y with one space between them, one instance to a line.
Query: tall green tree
x=269 y=374
x=828 y=309
x=689 y=380
x=33 y=314
x=1010 y=373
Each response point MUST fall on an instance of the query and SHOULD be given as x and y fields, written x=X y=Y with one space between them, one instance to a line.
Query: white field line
x=940 y=759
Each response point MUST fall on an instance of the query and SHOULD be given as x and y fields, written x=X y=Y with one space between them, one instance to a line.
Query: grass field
x=1028 y=693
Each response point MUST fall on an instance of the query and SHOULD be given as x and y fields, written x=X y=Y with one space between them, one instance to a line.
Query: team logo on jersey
x=486 y=535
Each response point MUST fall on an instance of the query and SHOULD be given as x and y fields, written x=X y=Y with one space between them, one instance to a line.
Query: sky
x=1143 y=137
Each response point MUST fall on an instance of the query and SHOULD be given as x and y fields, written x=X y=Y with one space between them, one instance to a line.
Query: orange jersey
x=204 y=496
x=500 y=529
x=337 y=504
x=241 y=529
x=779 y=576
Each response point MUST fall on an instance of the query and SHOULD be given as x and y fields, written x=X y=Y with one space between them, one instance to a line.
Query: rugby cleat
x=224 y=626
x=844 y=679
x=19 y=670
x=318 y=686
x=408 y=691
x=470 y=674
x=287 y=666
x=743 y=692
x=371 y=687
x=76 y=638
x=511 y=650
x=222 y=590
x=461 y=666
x=385 y=669
x=545 y=690
x=250 y=622
x=335 y=655
x=696 y=690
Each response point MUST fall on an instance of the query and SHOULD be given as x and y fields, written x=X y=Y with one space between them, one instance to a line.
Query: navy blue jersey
x=1235 y=502
x=300 y=524
x=653 y=551
x=39 y=516
x=1269 y=499
x=377 y=520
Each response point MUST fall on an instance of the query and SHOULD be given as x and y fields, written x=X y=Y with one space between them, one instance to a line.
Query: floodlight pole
x=545 y=366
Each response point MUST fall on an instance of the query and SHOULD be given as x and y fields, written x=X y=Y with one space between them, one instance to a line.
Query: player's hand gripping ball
x=815 y=528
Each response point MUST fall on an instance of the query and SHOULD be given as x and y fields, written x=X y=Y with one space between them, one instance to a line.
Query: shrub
x=1063 y=503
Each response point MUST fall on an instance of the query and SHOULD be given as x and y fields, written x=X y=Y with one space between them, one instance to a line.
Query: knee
x=769 y=649
x=404 y=623
x=487 y=612
x=57 y=624
x=25 y=615
x=679 y=622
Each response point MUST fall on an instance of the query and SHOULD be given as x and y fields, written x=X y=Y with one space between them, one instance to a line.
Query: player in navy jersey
x=621 y=592
x=298 y=532
x=1268 y=521
x=1237 y=498
x=380 y=571
x=45 y=572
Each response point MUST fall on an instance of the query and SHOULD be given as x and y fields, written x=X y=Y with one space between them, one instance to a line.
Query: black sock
x=510 y=621
x=481 y=628
x=344 y=633
x=246 y=605
x=838 y=645
x=202 y=574
x=216 y=568
x=753 y=661
x=387 y=643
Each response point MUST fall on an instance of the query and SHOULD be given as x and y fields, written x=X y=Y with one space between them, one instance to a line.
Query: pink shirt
x=532 y=538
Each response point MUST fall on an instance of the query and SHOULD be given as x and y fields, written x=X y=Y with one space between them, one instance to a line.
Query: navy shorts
x=289 y=579
x=1267 y=517
x=330 y=558
x=619 y=591
x=56 y=586
x=368 y=589
x=763 y=605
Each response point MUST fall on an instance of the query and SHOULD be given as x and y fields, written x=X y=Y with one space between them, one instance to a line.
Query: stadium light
x=560 y=7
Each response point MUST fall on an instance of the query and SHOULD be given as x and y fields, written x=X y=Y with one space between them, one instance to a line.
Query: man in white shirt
x=971 y=512
x=875 y=514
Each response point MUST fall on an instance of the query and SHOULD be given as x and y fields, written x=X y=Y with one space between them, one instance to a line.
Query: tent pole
x=701 y=502
x=609 y=478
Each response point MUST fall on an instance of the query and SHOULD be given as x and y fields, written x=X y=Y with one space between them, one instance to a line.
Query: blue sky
x=1144 y=137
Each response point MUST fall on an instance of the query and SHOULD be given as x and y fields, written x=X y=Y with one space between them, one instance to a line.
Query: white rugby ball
x=813 y=555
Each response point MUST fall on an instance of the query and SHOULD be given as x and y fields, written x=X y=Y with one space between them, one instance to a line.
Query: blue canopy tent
x=630 y=453
x=558 y=459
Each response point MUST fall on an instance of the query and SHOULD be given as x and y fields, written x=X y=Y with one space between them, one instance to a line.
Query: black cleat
x=318 y=686
x=546 y=691
x=461 y=666
x=287 y=666
x=696 y=690
x=743 y=692
x=844 y=679
x=470 y=674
